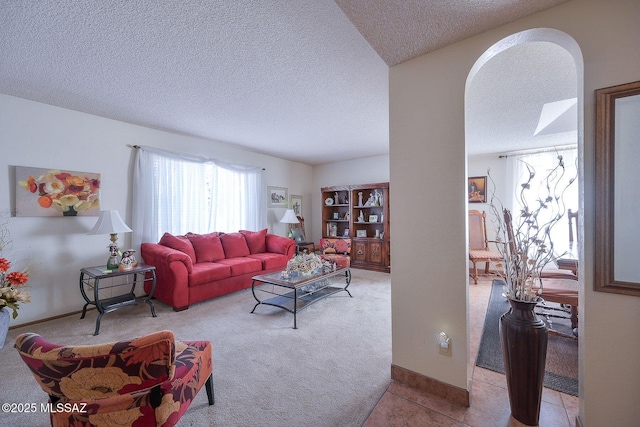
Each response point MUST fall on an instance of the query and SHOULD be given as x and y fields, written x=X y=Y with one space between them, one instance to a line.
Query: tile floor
x=405 y=406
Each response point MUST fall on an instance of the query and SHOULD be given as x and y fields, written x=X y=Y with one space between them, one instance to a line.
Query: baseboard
x=59 y=316
x=446 y=391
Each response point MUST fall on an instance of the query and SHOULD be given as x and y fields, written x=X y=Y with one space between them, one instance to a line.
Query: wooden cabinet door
x=375 y=252
x=359 y=251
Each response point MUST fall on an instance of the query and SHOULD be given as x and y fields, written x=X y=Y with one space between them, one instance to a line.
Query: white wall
x=429 y=291
x=367 y=170
x=40 y=135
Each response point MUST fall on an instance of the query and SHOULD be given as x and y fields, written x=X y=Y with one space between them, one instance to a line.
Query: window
x=541 y=163
x=180 y=193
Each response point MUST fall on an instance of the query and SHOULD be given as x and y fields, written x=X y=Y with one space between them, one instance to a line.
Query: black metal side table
x=100 y=279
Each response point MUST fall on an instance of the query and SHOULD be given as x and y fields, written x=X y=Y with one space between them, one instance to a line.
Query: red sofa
x=197 y=267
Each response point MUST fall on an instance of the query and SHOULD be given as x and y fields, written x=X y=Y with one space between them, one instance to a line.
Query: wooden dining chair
x=479 y=250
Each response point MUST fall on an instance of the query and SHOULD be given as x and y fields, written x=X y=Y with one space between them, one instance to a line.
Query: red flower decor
x=10 y=296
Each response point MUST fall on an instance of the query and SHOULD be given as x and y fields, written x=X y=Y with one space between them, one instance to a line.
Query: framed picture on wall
x=55 y=192
x=296 y=204
x=277 y=197
x=477 y=189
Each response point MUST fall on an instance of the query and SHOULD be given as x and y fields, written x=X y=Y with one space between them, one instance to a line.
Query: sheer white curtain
x=542 y=163
x=178 y=193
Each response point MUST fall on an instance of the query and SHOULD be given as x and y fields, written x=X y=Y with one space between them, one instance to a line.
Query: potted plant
x=12 y=284
x=524 y=241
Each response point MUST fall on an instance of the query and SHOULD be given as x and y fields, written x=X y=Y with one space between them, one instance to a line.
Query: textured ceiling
x=401 y=30
x=506 y=97
x=294 y=79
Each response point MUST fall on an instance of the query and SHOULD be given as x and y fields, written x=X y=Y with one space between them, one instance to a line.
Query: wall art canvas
x=278 y=197
x=56 y=193
x=296 y=204
x=477 y=192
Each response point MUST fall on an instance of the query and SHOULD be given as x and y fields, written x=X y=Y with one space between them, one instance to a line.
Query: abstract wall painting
x=56 y=193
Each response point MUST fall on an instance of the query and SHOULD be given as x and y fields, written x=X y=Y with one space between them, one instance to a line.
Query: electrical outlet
x=444 y=343
x=446 y=350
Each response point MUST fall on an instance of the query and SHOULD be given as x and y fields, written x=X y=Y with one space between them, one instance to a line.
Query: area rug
x=562 y=353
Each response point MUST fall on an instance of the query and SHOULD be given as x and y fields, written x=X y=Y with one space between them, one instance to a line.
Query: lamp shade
x=109 y=222
x=289 y=217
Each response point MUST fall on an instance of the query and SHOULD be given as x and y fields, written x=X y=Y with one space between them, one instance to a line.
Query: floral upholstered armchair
x=148 y=381
x=337 y=251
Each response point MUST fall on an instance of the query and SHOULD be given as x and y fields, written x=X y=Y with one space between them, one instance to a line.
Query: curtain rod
x=137 y=146
x=538 y=150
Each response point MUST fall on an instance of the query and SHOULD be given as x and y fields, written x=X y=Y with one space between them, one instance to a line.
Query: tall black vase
x=524 y=339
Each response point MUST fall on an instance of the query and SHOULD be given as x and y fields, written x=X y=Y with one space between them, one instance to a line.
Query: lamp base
x=112 y=263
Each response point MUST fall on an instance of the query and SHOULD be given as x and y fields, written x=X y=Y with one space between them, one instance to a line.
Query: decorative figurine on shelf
x=345 y=200
x=361 y=217
x=128 y=261
x=370 y=200
x=377 y=196
x=336 y=198
x=360 y=198
x=112 y=262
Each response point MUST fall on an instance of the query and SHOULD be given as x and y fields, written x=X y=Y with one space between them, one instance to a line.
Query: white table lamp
x=110 y=222
x=289 y=217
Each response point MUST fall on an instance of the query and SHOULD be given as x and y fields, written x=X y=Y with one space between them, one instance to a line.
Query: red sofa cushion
x=255 y=240
x=208 y=247
x=278 y=244
x=242 y=265
x=179 y=243
x=234 y=245
x=206 y=272
x=270 y=261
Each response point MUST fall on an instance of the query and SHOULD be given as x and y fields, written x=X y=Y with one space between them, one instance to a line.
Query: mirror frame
x=604 y=280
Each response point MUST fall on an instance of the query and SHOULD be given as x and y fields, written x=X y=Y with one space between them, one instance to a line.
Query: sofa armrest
x=172 y=274
x=280 y=245
x=156 y=254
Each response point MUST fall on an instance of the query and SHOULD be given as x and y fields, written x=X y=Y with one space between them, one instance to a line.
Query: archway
x=529 y=54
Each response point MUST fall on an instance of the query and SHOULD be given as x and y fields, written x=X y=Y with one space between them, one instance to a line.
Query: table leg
x=153 y=308
x=253 y=291
x=97 y=331
x=295 y=308
x=84 y=295
x=347 y=276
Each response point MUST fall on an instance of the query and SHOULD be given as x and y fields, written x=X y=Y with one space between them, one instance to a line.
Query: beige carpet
x=331 y=371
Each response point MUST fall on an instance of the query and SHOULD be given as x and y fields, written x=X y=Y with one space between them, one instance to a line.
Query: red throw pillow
x=234 y=245
x=179 y=243
x=207 y=247
x=277 y=244
x=255 y=240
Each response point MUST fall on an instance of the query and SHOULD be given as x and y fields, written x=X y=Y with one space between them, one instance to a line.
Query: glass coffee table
x=295 y=293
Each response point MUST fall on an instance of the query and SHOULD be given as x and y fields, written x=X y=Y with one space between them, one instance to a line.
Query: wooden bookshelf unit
x=360 y=213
